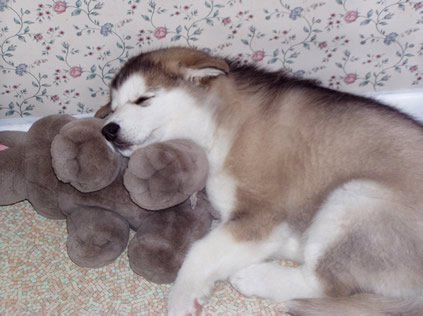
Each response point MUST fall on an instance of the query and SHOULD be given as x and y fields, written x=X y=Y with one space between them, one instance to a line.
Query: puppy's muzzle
x=110 y=131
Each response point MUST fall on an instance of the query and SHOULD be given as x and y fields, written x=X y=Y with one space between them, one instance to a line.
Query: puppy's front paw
x=184 y=302
x=251 y=281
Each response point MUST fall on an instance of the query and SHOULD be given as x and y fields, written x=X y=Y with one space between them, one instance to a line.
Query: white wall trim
x=24 y=123
x=410 y=102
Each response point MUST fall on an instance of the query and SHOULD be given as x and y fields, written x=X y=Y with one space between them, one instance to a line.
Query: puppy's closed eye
x=141 y=100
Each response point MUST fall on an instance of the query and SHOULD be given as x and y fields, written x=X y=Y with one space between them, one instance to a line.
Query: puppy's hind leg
x=213 y=258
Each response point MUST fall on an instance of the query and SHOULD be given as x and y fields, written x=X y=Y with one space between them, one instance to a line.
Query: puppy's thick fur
x=331 y=180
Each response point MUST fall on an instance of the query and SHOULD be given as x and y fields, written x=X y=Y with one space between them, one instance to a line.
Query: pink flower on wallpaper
x=413 y=68
x=55 y=98
x=160 y=32
x=350 y=78
x=38 y=37
x=75 y=71
x=258 y=55
x=351 y=16
x=323 y=45
x=226 y=21
x=418 y=5
x=59 y=7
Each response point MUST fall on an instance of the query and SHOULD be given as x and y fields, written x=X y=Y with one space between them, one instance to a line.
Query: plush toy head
x=67 y=170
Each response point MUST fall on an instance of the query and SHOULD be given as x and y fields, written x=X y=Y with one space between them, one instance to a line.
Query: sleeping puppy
x=328 y=179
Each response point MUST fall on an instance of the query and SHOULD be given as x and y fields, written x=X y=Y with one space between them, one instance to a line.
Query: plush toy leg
x=159 y=247
x=96 y=237
x=12 y=138
x=165 y=174
x=82 y=157
x=12 y=178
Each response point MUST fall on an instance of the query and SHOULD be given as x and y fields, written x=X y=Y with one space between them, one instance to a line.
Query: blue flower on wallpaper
x=295 y=13
x=21 y=69
x=106 y=29
x=391 y=37
x=3 y=5
x=299 y=73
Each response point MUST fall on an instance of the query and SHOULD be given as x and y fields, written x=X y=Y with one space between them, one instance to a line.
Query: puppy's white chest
x=221 y=190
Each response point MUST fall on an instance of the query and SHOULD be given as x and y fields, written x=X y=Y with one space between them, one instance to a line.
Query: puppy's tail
x=356 y=305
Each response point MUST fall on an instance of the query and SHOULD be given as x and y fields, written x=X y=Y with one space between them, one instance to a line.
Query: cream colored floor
x=37 y=277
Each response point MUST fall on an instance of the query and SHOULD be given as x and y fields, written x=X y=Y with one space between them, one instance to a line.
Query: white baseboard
x=23 y=124
x=410 y=102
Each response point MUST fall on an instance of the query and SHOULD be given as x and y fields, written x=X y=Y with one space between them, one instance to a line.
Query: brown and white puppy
x=328 y=179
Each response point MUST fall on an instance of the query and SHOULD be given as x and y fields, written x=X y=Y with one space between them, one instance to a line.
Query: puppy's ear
x=104 y=111
x=190 y=64
x=204 y=69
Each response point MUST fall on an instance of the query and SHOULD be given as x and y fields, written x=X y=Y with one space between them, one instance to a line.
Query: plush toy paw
x=82 y=157
x=163 y=239
x=164 y=174
x=95 y=237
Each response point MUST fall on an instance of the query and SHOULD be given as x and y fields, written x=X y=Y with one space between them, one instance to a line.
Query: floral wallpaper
x=59 y=56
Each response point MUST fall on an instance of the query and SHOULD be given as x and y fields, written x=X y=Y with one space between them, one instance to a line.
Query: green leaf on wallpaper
x=146 y=17
x=76 y=12
x=245 y=42
x=16 y=21
x=339 y=65
x=60 y=57
x=340 y=2
x=35 y=84
x=119 y=45
x=91 y=76
x=98 y=5
x=93 y=68
x=369 y=13
x=207 y=4
x=365 y=22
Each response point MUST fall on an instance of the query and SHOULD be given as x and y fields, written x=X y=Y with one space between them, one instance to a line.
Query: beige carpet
x=37 y=277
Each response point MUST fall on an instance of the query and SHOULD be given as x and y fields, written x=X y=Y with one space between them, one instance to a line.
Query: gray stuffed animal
x=66 y=169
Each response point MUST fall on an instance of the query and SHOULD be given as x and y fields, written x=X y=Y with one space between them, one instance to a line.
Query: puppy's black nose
x=110 y=131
